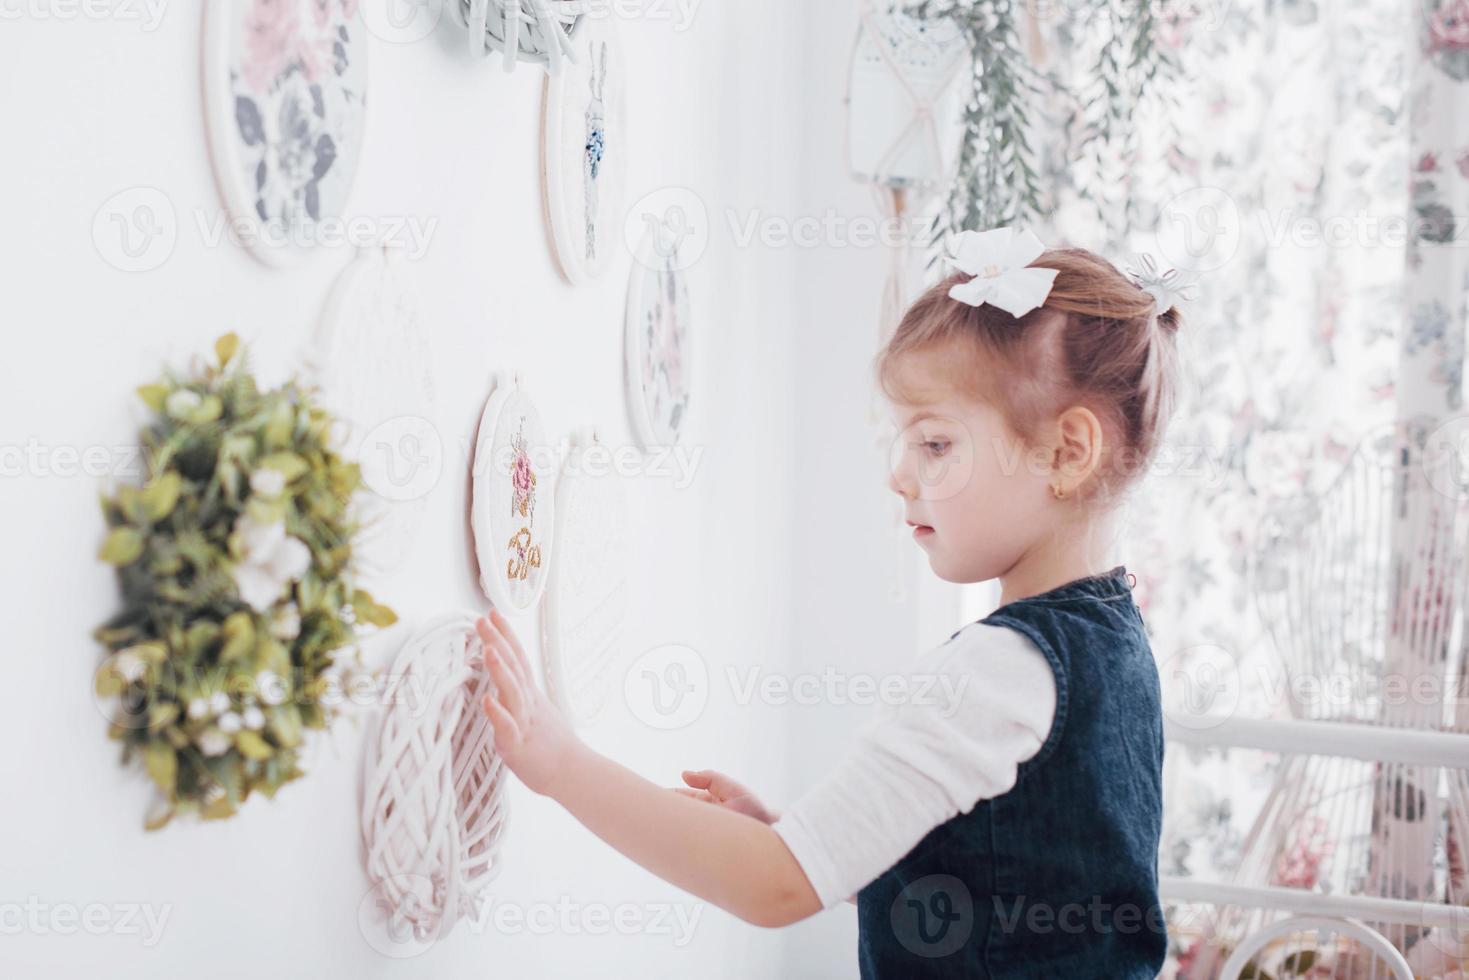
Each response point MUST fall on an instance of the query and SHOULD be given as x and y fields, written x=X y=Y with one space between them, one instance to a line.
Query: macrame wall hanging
x=513 y=513
x=903 y=114
x=584 y=154
x=285 y=95
x=537 y=31
x=586 y=591
x=434 y=807
x=371 y=359
x=657 y=336
x=903 y=122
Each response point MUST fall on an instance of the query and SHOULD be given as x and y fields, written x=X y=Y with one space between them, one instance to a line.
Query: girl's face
x=976 y=497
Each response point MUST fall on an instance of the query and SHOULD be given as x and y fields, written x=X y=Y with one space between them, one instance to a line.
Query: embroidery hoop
x=646 y=277
x=586 y=592
x=902 y=78
x=434 y=802
x=370 y=357
x=568 y=99
x=536 y=31
x=221 y=28
x=494 y=490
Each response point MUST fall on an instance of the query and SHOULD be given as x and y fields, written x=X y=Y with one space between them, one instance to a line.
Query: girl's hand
x=716 y=787
x=531 y=736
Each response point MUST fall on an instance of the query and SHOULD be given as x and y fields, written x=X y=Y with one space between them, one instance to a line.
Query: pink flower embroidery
x=1427 y=163
x=1448 y=27
x=270 y=32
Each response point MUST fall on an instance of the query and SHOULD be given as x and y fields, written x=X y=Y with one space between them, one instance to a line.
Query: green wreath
x=234 y=559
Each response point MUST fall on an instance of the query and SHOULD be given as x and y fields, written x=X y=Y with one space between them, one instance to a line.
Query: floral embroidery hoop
x=587 y=588
x=584 y=154
x=372 y=361
x=285 y=88
x=657 y=343
x=434 y=804
x=513 y=512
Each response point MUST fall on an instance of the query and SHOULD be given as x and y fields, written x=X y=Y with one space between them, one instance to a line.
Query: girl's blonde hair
x=1095 y=342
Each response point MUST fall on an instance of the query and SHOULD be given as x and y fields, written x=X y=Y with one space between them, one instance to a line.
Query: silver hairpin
x=1166 y=288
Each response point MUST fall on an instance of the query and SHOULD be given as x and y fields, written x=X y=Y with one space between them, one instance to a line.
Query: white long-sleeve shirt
x=977 y=707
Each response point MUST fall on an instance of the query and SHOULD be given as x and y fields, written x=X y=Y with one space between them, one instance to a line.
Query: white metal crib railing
x=1362 y=917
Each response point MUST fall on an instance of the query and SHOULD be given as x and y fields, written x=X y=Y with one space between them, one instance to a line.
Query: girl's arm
x=732 y=860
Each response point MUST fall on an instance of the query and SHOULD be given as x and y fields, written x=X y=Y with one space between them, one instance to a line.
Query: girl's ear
x=1079 y=451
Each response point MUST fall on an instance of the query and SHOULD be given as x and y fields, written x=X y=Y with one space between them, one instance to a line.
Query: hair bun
x=1169 y=319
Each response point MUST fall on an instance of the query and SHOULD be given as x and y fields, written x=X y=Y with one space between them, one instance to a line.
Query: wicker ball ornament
x=434 y=803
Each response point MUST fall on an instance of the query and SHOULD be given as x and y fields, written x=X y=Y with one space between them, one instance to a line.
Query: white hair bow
x=998 y=260
x=1168 y=289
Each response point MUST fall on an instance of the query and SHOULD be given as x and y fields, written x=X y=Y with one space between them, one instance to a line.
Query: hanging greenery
x=996 y=181
x=234 y=562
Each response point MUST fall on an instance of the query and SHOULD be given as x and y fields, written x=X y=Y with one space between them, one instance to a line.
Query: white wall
x=779 y=553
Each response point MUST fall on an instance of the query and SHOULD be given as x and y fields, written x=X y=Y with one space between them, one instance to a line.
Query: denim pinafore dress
x=1057 y=878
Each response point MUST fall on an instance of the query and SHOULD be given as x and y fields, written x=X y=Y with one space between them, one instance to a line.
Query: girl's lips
x=921 y=531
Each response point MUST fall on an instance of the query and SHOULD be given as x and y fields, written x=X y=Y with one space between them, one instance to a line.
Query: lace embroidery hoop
x=902 y=96
x=434 y=806
x=513 y=511
x=657 y=343
x=370 y=357
x=272 y=96
x=536 y=31
x=586 y=592
x=584 y=154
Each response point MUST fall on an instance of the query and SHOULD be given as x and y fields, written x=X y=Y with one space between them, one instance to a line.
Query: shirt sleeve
x=972 y=711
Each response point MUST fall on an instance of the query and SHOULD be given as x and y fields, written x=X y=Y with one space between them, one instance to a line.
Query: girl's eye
x=936 y=447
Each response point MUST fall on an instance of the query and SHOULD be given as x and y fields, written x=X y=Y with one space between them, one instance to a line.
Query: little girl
x=1007 y=825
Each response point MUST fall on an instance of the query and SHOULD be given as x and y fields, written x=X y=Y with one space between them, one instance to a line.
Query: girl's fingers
x=507 y=685
x=507 y=732
x=694 y=794
x=699 y=779
x=498 y=635
x=501 y=624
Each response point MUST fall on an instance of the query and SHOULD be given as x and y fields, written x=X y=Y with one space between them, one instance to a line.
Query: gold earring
x=1056 y=491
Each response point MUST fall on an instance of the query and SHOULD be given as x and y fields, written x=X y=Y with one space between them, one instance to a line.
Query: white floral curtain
x=1313 y=168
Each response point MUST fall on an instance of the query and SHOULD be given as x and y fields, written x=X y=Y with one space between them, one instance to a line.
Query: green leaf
x=226 y=346
x=239 y=636
x=210 y=410
x=162 y=764
x=161 y=496
x=289 y=464
x=122 y=547
x=252 y=746
x=161 y=715
x=159 y=819
x=285 y=725
x=153 y=396
x=277 y=433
